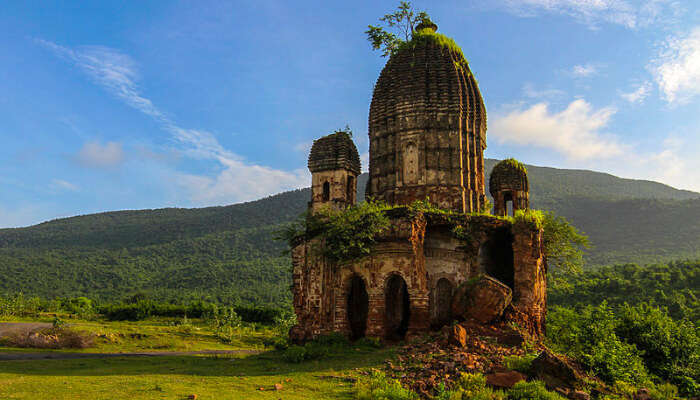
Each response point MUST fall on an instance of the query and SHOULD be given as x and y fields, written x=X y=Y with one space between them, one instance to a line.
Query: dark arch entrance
x=358 y=304
x=326 y=191
x=496 y=257
x=442 y=304
x=398 y=308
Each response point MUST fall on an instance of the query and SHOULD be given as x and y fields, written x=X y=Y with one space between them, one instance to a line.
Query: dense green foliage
x=136 y=308
x=633 y=344
x=675 y=287
x=227 y=254
x=588 y=334
x=630 y=323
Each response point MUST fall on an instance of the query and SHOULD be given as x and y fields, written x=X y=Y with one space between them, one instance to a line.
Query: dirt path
x=70 y=356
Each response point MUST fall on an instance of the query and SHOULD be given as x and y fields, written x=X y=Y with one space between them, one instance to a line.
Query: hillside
x=228 y=254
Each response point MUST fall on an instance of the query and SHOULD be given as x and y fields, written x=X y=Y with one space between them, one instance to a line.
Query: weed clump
x=376 y=386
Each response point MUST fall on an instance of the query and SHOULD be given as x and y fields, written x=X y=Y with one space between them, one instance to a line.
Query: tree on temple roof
x=404 y=20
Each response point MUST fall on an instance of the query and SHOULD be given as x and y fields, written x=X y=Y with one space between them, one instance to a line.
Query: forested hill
x=228 y=252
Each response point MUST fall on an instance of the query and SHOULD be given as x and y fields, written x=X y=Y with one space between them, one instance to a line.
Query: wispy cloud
x=584 y=71
x=530 y=91
x=677 y=68
x=94 y=154
x=630 y=14
x=237 y=180
x=639 y=94
x=62 y=185
x=576 y=132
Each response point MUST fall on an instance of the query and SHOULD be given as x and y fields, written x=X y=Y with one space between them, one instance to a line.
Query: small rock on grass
x=278 y=386
x=505 y=380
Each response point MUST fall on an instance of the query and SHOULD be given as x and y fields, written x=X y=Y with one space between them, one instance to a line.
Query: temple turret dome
x=336 y=151
x=509 y=174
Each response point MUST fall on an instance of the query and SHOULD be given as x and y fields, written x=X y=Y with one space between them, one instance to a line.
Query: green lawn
x=208 y=377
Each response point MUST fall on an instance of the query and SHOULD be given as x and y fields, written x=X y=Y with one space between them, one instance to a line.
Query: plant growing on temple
x=403 y=21
x=350 y=233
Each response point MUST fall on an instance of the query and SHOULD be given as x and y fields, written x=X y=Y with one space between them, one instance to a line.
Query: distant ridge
x=228 y=252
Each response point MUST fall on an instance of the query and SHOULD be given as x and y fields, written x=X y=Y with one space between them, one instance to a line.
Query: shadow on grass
x=265 y=364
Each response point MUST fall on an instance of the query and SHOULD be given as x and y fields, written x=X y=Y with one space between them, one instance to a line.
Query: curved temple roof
x=334 y=151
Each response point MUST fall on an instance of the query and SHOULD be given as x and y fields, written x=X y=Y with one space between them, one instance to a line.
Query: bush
x=376 y=386
x=534 y=390
x=349 y=234
x=294 y=354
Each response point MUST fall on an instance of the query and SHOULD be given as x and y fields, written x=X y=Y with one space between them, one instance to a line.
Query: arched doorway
x=441 y=307
x=398 y=308
x=358 y=305
x=496 y=257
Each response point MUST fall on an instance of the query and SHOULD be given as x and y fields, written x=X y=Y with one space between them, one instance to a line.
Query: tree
x=403 y=21
x=563 y=243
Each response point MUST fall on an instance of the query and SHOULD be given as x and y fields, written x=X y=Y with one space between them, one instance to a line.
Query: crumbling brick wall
x=422 y=252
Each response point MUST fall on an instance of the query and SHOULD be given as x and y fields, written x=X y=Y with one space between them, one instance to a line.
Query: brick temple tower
x=427 y=129
x=508 y=183
x=334 y=164
x=425 y=269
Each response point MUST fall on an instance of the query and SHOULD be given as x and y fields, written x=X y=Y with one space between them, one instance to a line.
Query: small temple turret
x=508 y=183
x=334 y=164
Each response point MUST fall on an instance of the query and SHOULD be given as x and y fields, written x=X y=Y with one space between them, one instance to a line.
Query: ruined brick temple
x=427 y=133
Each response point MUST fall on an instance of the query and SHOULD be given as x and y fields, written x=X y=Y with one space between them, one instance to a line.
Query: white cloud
x=638 y=95
x=584 y=71
x=674 y=164
x=94 y=154
x=630 y=14
x=575 y=132
x=62 y=185
x=677 y=69
x=237 y=180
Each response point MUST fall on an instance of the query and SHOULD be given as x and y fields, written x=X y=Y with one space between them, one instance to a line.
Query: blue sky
x=130 y=105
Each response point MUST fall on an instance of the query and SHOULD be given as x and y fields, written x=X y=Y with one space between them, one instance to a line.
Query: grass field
x=160 y=335
x=207 y=376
